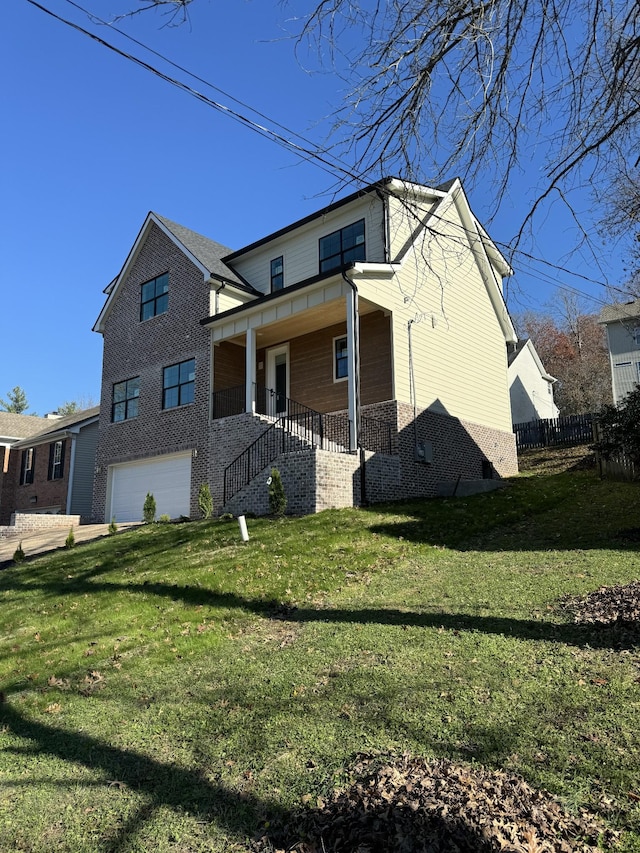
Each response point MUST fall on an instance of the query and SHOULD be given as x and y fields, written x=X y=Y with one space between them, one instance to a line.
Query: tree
x=475 y=88
x=575 y=353
x=16 y=401
x=622 y=220
x=70 y=407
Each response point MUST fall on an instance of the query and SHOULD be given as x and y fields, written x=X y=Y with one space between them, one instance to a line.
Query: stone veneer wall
x=33 y=522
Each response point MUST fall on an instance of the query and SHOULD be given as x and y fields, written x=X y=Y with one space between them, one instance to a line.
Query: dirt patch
x=411 y=805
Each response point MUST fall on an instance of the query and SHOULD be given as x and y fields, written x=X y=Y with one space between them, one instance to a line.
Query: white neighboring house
x=622 y=322
x=530 y=386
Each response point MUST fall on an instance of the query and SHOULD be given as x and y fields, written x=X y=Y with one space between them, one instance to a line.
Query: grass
x=170 y=688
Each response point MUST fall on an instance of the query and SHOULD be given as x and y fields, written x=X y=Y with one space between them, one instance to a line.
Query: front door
x=278 y=379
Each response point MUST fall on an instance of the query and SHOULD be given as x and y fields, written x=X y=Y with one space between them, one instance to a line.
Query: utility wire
x=307 y=151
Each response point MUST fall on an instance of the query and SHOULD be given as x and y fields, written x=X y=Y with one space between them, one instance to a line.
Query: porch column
x=250 y=371
x=353 y=367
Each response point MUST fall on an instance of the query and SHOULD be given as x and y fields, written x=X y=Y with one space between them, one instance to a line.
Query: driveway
x=50 y=540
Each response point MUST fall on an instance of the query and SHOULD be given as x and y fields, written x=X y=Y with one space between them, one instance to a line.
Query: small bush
x=149 y=509
x=277 y=497
x=113 y=527
x=18 y=555
x=70 y=541
x=205 y=501
x=226 y=516
x=164 y=518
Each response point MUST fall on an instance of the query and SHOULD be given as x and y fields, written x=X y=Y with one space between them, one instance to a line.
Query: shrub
x=113 y=527
x=205 y=501
x=18 y=555
x=70 y=541
x=149 y=509
x=621 y=427
x=164 y=518
x=277 y=497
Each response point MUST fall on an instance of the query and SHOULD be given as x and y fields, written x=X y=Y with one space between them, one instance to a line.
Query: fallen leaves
x=412 y=805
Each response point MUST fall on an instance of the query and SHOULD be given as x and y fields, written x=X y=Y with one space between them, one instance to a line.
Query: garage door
x=168 y=478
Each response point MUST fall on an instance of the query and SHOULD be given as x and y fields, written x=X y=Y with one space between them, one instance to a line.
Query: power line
x=309 y=151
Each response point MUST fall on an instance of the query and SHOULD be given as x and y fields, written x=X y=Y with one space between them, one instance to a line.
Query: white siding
x=299 y=247
x=531 y=394
x=458 y=344
x=624 y=350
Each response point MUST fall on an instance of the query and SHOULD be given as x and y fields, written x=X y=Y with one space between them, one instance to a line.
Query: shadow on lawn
x=239 y=814
x=621 y=635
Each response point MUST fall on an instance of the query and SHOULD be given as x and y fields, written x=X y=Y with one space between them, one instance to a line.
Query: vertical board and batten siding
x=86 y=444
x=459 y=350
x=300 y=250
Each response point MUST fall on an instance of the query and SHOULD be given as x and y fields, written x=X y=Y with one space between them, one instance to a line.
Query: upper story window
x=277 y=274
x=635 y=334
x=178 y=384
x=154 y=297
x=340 y=359
x=125 y=399
x=56 y=460
x=27 y=466
x=342 y=247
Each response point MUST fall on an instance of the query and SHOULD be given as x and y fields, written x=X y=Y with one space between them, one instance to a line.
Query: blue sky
x=92 y=142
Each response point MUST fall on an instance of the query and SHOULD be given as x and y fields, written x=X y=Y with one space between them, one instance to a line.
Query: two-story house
x=530 y=386
x=360 y=349
x=622 y=322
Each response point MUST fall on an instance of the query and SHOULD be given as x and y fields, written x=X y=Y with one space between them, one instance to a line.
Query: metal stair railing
x=296 y=426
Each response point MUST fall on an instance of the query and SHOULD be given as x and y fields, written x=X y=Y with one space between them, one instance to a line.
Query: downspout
x=412 y=384
x=385 y=225
x=72 y=468
x=356 y=359
x=216 y=300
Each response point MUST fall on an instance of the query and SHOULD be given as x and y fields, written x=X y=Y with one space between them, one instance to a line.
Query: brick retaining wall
x=33 y=522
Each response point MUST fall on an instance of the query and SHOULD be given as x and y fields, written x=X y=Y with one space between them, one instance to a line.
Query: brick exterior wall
x=134 y=348
x=317 y=479
x=47 y=493
x=33 y=522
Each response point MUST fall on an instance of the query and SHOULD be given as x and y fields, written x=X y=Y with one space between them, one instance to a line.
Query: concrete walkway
x=50 y=540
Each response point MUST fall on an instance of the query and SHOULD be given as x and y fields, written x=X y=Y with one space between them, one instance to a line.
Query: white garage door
x=168 y=478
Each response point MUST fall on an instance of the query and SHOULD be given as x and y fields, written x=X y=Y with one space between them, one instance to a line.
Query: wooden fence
x=618 y=466
x=554 y=432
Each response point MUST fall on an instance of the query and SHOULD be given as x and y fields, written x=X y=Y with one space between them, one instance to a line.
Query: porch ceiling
x=303 y=323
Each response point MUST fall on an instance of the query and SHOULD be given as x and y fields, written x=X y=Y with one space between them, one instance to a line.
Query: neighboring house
x=622 y=322
x=377 y=324
x=13 y=428
x=530 y=386
x=52 y=470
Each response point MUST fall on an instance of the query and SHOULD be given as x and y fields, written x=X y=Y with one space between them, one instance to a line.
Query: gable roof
x=14 y=427
x=513 y=351
x=204 y=253
x=621 y=311
x=60 y=427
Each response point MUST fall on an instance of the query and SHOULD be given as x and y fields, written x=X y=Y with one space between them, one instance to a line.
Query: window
x=56 y=460
x=154 y=297
x=178 y=384
x=342 y=247
x=635 y=334
x=277 y=274
x=125 y=400
x=28 y=464
x=340 y=359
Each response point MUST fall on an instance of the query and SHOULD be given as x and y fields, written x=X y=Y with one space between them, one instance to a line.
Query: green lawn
x=171 y=688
